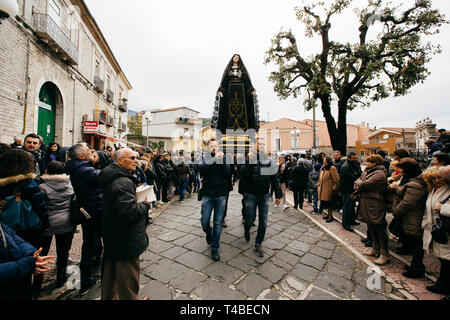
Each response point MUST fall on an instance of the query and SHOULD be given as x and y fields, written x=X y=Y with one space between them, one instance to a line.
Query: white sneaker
x=285 y=207
x=276 y=206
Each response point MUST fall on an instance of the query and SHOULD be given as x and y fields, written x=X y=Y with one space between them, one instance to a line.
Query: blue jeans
x=181 y=187
x=315 y=200
x=262 y=203
x=218 y=204
x=197 y=182
x=158 y=191
x=348 y=210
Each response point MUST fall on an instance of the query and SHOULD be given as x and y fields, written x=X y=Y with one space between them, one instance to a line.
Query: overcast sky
x=174 y=53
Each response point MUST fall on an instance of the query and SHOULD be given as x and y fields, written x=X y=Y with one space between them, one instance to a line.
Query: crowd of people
x=416 y=193
x=63 y=187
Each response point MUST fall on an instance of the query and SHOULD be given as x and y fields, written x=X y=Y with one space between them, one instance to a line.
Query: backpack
x=18 y=214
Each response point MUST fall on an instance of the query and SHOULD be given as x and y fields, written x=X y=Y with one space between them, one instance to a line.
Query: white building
x=179 y=128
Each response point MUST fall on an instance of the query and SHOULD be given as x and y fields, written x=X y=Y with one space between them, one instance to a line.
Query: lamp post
x=8 y=8
x=295 y=133
x=148 y=119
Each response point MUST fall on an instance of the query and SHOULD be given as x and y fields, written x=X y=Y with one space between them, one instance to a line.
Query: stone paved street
x=301 y=261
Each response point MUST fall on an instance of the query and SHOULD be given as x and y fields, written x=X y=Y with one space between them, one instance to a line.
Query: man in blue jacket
x=84 y=178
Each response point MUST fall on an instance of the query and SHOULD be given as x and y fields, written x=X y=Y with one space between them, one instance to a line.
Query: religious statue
x=236 y=104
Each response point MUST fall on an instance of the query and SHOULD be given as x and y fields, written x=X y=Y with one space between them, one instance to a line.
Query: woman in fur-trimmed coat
x=17 y=174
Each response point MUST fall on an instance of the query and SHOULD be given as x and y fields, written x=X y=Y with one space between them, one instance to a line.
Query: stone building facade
x=57 y=71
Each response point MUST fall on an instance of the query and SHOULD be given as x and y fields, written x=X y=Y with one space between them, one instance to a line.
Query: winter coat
x=350 y=172
x=284 y=174
x=314 y=179
x=445 y=138
x=429 y=245
x=215 y=179
x=170 y=170
x=84 y=179
x=299 y=177
x=58 y=193
x=39 y=161
x=338 y=164
x=140 y=175
x=308 y=165
x=256 y=182
x=411 y=207
x=16 y=266
x=123 y=220
x=182 y=171
x=152 y=178
x=328 y=184
x=160 y=171
x=29 y=190
x=372 y=188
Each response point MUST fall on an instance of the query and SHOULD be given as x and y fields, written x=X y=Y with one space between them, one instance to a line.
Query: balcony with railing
x=110 y=121
x=109 y=95
x=99 y=84
x=123 y=106
x=122 y=126
x=48 y=31
x=100 y=116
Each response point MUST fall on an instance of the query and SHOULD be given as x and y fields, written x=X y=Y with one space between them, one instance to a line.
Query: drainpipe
x=27 y=84
x=73 y=109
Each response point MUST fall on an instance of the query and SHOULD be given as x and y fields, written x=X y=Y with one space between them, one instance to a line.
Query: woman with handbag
x=412 y=193
x=439 y=190
x=371 y=187
x=18 y=178
x=327 y=187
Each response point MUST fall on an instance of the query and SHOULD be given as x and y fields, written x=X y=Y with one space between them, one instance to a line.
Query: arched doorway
x=49 y=100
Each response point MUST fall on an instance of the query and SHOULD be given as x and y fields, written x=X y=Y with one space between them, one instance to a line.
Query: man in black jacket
x=32 y=144
x=259 y=173
x=350 y=172
x=300 y=179
x=123 y=228
x=216 y=175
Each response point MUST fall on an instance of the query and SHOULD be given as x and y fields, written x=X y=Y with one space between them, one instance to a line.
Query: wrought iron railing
x=123 y=106
x=99 y=84
x=48 y=30
x=109 y=95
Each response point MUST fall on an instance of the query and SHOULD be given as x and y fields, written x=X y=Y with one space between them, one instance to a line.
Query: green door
x=47 y=114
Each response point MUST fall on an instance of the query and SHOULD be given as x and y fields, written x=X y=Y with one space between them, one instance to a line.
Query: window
x=391 y=136
x=97 y=68
x=378 y=138
x=277 y=144
x=54 y=11
x=108 y=82
x=363 y=153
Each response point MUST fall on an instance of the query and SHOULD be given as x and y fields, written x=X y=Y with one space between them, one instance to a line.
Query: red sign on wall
x=90 y=127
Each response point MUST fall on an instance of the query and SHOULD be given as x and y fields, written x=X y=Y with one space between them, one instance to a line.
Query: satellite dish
x=386 y=136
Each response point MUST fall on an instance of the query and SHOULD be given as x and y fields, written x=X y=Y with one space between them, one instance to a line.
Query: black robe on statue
x=237 y=109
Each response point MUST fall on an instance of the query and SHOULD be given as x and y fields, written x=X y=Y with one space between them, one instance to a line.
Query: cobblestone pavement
x=301 y=262
x=413 y=288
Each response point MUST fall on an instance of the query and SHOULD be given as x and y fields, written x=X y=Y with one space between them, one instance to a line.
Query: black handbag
x=438 y=234
x=76 y=217
x=395 y=227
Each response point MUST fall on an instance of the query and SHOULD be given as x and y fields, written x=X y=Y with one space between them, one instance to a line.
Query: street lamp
x=295 y=133
x=8 y=8
x=148 y=119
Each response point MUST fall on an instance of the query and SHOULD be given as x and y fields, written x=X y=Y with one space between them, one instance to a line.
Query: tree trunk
x=338 y=134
